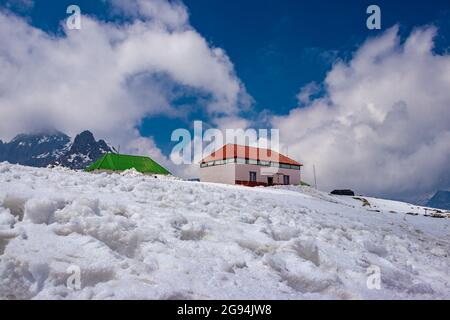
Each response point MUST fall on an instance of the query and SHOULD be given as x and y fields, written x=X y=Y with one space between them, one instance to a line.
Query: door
x=270 y=181
x=252 y=176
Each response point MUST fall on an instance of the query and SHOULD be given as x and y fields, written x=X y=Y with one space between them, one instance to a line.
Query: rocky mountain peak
x=84 y=151
x=53 y=148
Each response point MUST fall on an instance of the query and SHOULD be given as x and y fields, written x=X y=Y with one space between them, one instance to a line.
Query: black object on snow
x=345 y=192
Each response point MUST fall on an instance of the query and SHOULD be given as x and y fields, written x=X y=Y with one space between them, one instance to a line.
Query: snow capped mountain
x=131 y=236
x=37 y=150
x=84 y=151
x=53 y=148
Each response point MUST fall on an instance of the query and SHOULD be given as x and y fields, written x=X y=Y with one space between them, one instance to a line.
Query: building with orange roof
x=250 y=166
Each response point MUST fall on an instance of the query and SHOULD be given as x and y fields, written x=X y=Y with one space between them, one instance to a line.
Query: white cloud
x=173 y=14
x=107 y=77
x=306 y=92
x=147 y=146
x=232 y=122
x=383 y=127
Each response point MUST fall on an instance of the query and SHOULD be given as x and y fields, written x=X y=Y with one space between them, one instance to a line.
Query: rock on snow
x=139 y=237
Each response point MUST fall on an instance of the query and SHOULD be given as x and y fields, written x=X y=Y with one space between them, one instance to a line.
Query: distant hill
x=53 y=148
x=441 y=200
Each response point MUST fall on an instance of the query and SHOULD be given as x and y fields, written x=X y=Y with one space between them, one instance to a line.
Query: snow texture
x=133 y=236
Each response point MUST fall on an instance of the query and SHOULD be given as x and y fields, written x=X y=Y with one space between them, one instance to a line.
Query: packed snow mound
x=131 y=236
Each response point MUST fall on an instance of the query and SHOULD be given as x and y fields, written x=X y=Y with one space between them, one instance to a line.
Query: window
x=206 y=164
x=252 y=161
x=264 y=163
x=252 y=176
x=286 y=180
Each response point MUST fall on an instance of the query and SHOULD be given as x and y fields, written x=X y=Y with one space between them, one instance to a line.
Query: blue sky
x=275 y=48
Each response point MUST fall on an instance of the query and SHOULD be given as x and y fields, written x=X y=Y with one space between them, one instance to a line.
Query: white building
x=250 y=166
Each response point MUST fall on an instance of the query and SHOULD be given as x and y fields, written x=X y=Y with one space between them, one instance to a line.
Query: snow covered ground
x=140 y=237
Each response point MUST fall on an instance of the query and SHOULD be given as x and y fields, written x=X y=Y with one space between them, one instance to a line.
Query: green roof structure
x=122 y=162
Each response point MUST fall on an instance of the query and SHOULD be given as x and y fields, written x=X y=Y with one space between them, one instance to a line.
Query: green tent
x=121 y=162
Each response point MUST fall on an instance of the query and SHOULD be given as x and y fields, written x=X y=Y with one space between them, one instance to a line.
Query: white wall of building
x=243 y=173
x=229 y=173
x=221 y=174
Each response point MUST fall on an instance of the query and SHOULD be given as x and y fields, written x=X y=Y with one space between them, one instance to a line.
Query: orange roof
x=231 y=151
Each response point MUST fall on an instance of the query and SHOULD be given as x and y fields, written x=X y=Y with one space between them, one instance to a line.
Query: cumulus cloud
x=383 y=125
x=107 y=77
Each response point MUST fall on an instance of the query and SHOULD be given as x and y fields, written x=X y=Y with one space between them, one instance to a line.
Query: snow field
x=142 y=237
